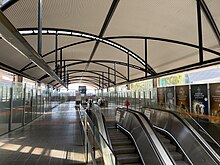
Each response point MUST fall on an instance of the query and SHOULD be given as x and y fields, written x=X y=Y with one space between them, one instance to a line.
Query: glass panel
x=17 y=105
x=34 y=103
x=27 y=106
x=4 y=108
x=38 y=102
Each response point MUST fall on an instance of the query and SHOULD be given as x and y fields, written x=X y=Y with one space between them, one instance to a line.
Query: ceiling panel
x=209 y=38
x=69 y=14
x=165 y=19
x=135 y=45
x=106 y=52
x=11 y=57
x=170 y=19
x=134 y=74
x=162 y=55
x=213 y=6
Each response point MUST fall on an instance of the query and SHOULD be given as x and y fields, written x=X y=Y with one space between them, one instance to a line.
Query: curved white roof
x=95 y=34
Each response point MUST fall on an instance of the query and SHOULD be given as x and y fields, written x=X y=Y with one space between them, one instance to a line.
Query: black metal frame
x=210 y=19
x=8 y=4
x=148 y=69
x=93 y=77
x=95 y=62
x=103 y=29
x=199 y=23
x=92 y=37
x=39 y=45
x=82 y=81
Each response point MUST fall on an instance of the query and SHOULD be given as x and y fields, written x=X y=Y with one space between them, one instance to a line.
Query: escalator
x=123 y=147
x=173 y=148
x=132 y=139
x=181 y=139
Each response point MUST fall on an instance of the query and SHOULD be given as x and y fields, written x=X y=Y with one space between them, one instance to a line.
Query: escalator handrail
x=107 y=134
x=184 y=153
x=158 y=152
x=99 y=134
x=209 y=149
x=200 y=127
x=145 y=117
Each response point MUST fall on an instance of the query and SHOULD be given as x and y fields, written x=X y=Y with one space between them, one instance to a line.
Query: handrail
x=103 y=139
x=188 y=115
x=185 y=113
x=98 y=132
x=184 y=153
x=154 y=141
x=209 y=149
x=200 y=127
x=107 y=134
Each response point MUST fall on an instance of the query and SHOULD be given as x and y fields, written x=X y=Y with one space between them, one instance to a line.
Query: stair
x=172 y=149
x=123 y=147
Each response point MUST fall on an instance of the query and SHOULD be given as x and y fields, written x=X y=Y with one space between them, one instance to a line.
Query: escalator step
x=115 y=134
x=170 y=147
x=176 y=156
x=160 y=135
x=136 y=163
x=110 y=124
x=181 y=163
x=164 y=140
x=128 y=158
x=124 y=149
x=121 y=142
x=121 y=137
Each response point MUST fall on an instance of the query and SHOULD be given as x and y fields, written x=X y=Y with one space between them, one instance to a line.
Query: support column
x=56 y=53
x=128 y=68
x=64 y=71
x=146 y=60
x=115 y=75
x=61 y=63
x=19 y=79
x=102 y=82
x=199 y=22
x=108 y=79
x=39 y=47
x=99 y=82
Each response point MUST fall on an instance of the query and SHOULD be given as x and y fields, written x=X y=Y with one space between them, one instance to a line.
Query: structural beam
x=7 y=4
x=199 y=24
x=146 y=56
x=108 y=77
x=210 y=19
x=61 y=63
x=128 y=68
x=56 y=54
x=104 y=27
x=39 y=45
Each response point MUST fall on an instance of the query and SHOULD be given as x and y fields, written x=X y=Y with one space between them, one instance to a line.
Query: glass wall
x=17 y=106
x=28 y=104
x=4 y=108
x=22 y=103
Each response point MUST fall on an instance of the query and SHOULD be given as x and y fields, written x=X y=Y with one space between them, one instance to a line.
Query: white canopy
x=94 y=36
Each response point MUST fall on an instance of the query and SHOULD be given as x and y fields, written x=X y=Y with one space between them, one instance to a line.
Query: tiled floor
x=54 y=139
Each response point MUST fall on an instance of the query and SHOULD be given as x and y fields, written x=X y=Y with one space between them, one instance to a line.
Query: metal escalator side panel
x=155 y=140
x=99 y=132
x=188 y=141
x=147 y=150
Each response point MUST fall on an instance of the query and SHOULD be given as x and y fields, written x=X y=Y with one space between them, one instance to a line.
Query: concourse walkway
x=53 y=139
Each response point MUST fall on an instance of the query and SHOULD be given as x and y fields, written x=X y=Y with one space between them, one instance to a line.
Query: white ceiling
x=175 y=20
